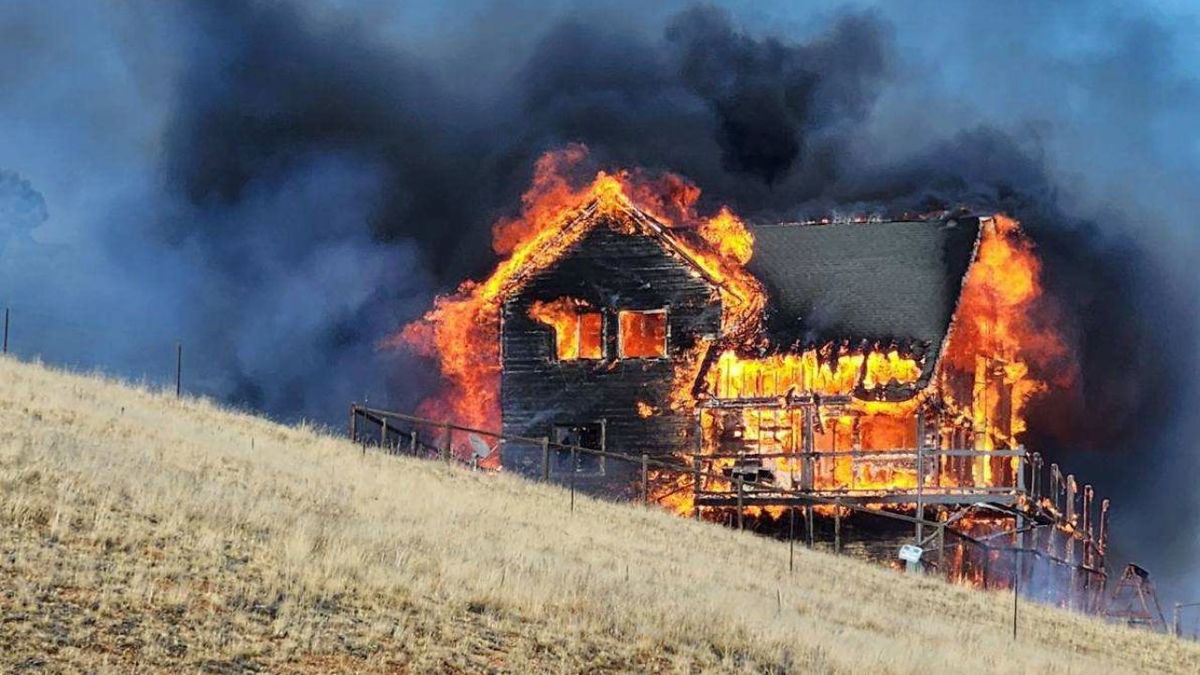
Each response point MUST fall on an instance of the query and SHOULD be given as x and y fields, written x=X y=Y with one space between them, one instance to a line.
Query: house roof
x=889 y=281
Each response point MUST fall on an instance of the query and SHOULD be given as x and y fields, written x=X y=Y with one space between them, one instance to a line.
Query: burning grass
x=145 y=532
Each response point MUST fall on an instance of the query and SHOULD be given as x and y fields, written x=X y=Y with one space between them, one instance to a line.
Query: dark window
x=589 y=436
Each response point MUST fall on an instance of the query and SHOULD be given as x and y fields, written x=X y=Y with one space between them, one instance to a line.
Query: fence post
x=412 y=441
x=1016 y=587
x=941 y=535
x=383 y=429
x=446 y=442
x=574 y=470
x=5 y=330
x=645 y=478
x=792 y=538
x=696 y=486
x=353 y=422
x=178 y=368
x=545 y=459
x=837 y=527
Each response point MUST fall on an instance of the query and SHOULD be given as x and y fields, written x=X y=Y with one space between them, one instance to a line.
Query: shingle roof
x=875 y=281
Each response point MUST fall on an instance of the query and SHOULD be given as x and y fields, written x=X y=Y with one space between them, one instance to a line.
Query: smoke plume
x=280 y=185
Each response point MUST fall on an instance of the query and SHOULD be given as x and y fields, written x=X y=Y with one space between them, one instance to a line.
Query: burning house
x=595 y=347
x=832 y=368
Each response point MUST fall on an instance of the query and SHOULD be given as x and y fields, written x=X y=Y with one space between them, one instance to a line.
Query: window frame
x=552 y=352
x=599 y=314
x=666 y=335
x=561 y=456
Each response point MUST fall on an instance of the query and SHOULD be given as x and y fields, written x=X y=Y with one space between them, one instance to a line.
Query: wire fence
x=816 y=522
x=31 y=334
x=839 y=526
x=1185 y=620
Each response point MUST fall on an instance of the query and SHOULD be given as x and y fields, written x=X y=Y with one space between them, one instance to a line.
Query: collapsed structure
x=835 y=368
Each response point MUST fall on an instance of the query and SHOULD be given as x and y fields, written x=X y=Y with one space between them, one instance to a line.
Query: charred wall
x=612 y=271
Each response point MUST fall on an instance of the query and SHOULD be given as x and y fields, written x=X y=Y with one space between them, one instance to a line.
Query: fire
x=461 y=332
x=997 y=342
x=729 y=236
x=840 y=392
x=643 y=334
x=847 y=400
x=579 y=333
x=830 y=370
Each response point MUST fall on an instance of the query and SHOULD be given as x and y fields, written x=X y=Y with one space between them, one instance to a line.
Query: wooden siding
x=611 y=271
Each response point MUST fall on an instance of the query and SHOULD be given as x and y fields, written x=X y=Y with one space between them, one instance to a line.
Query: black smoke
x=282 y=184
x=22 y=209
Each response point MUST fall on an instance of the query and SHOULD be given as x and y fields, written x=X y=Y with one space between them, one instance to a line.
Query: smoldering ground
x=280 y=185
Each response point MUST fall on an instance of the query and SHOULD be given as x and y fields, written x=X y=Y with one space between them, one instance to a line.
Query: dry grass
x=144 y=532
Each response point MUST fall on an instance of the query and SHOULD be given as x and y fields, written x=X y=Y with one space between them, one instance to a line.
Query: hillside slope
x=138 y=529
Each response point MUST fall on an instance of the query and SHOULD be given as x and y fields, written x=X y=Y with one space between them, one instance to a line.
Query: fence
x=31 y=334
x=1181 y=626
x=839 y=524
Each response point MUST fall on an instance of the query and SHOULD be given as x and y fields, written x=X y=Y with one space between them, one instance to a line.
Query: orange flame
x=461 y=332
x=578 y=333
x=984 y=380
x=995 y=357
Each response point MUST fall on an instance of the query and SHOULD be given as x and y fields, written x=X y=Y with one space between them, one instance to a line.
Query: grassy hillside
x=140 y=530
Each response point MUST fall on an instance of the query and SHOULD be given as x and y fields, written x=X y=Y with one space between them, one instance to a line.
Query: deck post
x=1086 y=527
x=808 y=524
x=1056 y=486
x=987 y=565
x=837 y=527
x=740 y=520
x=1072 y=491
x=806 y=467
x=941 y=535
x=1102 y=539
x=574 y=470
x=1036 y=475
x=792 y=538
x=920 y=474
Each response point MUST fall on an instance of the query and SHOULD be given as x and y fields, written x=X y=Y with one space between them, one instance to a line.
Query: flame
x=830 y=370
x=983 y=382
x=578 y=333
x=860 y=398
x=461 y=333
x=728 y=234
x=642 y=334
x=998 y=342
